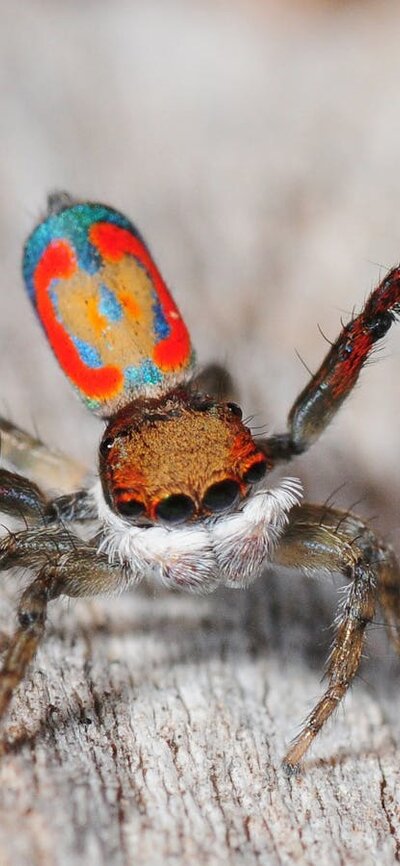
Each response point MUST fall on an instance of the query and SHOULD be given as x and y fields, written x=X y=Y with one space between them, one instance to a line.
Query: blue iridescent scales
x=104 y=306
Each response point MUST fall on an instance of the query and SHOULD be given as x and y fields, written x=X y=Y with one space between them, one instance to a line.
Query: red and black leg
x=338 y=373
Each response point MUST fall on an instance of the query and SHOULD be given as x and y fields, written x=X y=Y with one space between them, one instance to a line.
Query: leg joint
x=29 y=618
x=379 y=325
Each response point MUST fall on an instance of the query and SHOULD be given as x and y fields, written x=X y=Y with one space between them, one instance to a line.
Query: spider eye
x=129 y=507
x=221 y=495
x=255 y=472
x=175 y=509
x=235 y=409
x=106 y=444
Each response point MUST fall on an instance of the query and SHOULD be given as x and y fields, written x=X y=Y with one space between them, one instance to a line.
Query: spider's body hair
x=179 y=498
x=230 y=549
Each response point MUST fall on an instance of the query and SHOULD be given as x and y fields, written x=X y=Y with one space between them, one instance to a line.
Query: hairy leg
x=78 y=506
x=63 y=562
x=20 y=497
x=319 y=541
x=324 y=394
x=23 y=499
x=48 y=467
x=65 y=565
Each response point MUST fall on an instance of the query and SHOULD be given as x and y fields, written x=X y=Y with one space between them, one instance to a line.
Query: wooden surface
x=152 y=728
x=257 y=148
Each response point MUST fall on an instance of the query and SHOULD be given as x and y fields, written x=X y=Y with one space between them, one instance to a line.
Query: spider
x=181 y=496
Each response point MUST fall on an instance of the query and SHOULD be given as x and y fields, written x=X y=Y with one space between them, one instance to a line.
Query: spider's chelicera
x=181 y=496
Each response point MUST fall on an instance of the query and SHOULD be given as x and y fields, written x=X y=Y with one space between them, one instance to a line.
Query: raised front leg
x=338 y=373
x=320 y=541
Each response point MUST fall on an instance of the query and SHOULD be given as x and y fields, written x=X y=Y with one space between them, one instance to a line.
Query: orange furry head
x=178 y=457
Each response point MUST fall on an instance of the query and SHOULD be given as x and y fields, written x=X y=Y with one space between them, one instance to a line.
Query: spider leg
x=389 y=595
x=76 y=566
x=49 y=467
x=320 y=540
x=328 y=388
x=22 y=498
x=36 y=546
x=19 y=496
x=78 y=506
x=65 y=565
x=23 y=645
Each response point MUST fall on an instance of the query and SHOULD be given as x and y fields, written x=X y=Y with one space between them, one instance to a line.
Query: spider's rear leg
x=22 y=498
x=328 y=388
x=320 y=540
x=47 y=466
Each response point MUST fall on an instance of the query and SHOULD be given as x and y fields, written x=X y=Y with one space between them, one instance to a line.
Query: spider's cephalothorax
x=177 y=478
x=179 y=457
x=181 y=496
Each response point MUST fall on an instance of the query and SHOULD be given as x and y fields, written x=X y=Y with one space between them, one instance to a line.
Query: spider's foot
x=291 y=770
x=300 y=745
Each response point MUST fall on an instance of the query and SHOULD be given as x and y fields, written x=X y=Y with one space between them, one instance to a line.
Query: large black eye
x=175 y=509
x=255 y=472
x=221 y=495
x=235 y=409
x=106 y=444
x=129 y=507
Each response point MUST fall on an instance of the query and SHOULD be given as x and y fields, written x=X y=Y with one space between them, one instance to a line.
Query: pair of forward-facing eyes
x=178 y=507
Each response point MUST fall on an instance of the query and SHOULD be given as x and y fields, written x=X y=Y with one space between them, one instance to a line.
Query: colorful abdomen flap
x=104 y=306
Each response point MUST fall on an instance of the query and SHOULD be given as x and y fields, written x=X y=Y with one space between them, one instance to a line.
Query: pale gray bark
x=258 y=151
x=152 y=728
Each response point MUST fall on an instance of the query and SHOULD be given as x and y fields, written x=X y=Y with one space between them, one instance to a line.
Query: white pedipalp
x=230 y=549
x=245 y=540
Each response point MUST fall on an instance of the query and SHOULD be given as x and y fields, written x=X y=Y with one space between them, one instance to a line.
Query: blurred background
x=257 y=147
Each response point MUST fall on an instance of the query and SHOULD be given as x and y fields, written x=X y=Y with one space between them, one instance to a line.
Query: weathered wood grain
x=258 y=151
x=152 y=728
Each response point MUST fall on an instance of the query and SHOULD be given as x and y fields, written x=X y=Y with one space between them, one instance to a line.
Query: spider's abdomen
x=104 y=305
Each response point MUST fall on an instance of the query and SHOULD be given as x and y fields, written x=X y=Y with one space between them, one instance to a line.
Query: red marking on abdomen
x=114 y=242
x=59 y=262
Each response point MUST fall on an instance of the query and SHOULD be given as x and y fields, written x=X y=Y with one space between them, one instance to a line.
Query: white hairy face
x=230 y=549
